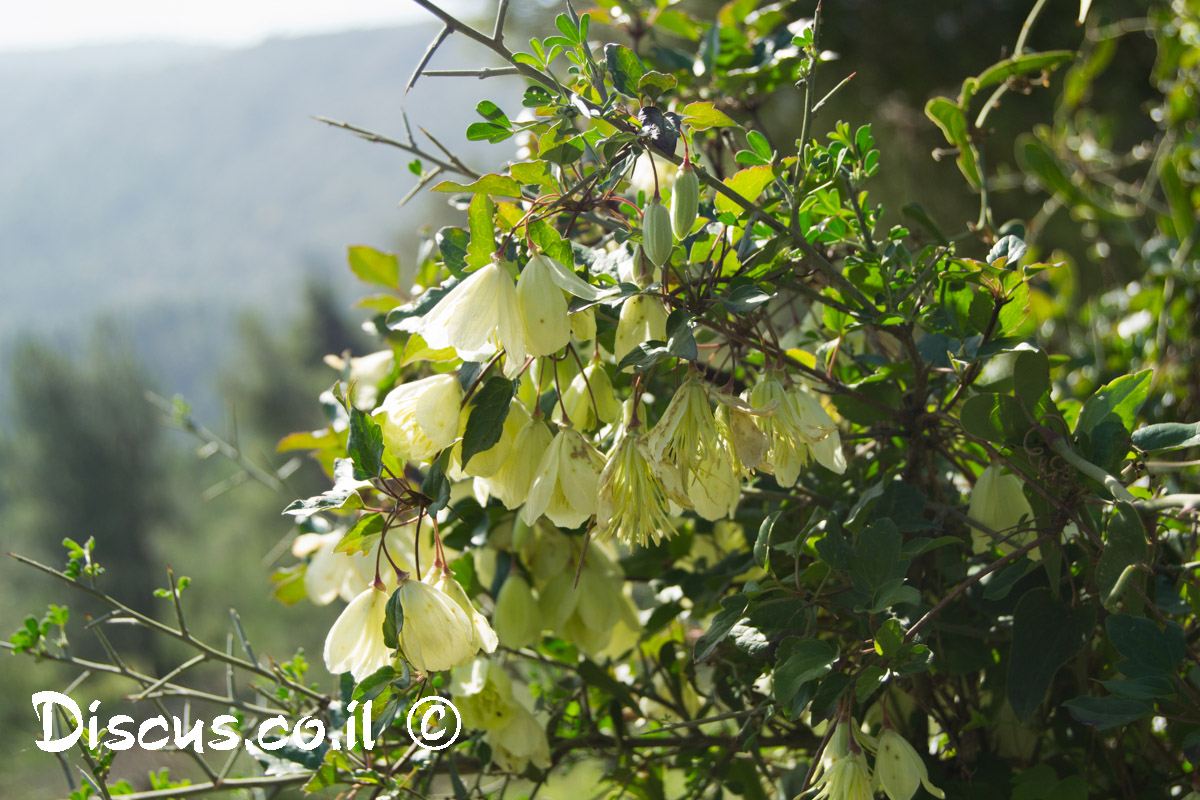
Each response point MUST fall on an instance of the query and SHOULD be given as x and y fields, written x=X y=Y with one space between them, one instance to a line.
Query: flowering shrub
x=717 y=483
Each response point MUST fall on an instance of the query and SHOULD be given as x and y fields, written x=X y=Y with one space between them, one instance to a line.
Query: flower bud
x=591 y=385
x=899 y=768
x=656 y=233
x=685 y=201
x=517 y=621
x=511 y=482
x=483 y=637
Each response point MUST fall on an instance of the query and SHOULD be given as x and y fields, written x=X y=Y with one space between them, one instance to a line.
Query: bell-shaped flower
x=436 y=633
x=355 y=642
x=483 y=637
x=564 y=485
x=899 y=769
x=543 y=309
x=636 y=493
x=998 y=502
x=847 y=778
x=689 y=436
x=516 y=618
x=590 y=399
x=477 y=316
x=366 y=373
x=331 y=574
x=797 y=427
x=583 y=325
x=510 y=484
x=520 y=743
x=642 y=319
x=483 y=695
x=420 y=418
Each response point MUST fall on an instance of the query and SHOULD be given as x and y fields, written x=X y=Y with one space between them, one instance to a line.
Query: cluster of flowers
x=697 y=456
x=845 y=774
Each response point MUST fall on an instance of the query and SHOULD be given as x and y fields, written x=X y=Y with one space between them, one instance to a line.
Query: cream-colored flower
x=517 y=621
x=420 y=418
x=543 y=309
x=436 y=633
x=636 y=493
x=483 y=637
x=483 y=695
x=797 y=427
x=591 y=385
x=847 y=778
x=520 y=743
x=998 y=501
x=564 y=485
x=590 y=614
x=355 y=642
x=900 y=769
x=510 y=484
x=642 y=319
x=477 y=316
x=366 y=373
x=689 y=436
x=331 y=574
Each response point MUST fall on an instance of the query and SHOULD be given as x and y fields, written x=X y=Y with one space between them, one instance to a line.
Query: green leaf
x=996 y=418
x=393 y=622
x=489 y=409
x=763 y=542
x=749 y=183
x=655 y=84
x=1148 y=650
x=493 y=185
x=877 y=558
x=364 y=445
x=1122 y=397
x=372 y=266
x=952 y=120
x=345 y=486
x=681 y=343
x=889 y=639
x=534 y=172
x=1167 y=436
x=625 y=68
x=362 y=536
x=487 y=132
x=1007 y=252
x=1046 y=634
x=560 y=145
x=492 y=113
x=744 y=298
x=801 y=661
x=1124 y=546
x=1108 y=712
x=483 y=234
x=733 y=608
x=452 y=244
x=436 y=485
x=644 y=356
x=1031 y=378
x=1011 y=67
x=702 y=116
x=373 y=684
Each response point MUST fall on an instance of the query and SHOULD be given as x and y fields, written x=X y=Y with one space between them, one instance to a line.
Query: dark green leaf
x=436 y=485
x=801 y=660
x=995 y=418
x=746 y=297
x=363 y=536
x=1167 y=436
x=877 y=557
x=345 y=486
x=1045 y=635
x=733 y=608
x=644 y=356
x=1148 y=650
x=393 y=622
x=681 y=343
x=1108 y=712
x=364 y=445
x=1124 y=546
x=763 y=542
x=625 y=68
x=453 y=243
x=489 y=409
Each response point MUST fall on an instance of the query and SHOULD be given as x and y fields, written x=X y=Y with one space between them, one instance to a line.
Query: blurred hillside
x=173 y=187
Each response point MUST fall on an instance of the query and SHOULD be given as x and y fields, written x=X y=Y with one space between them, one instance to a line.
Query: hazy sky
x=41 y=24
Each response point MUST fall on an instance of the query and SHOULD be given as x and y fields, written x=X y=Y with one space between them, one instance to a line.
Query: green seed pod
x=656 y=233
x=685 y=201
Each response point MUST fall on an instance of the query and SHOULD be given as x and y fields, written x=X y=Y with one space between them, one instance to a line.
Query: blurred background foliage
x=1102 y=167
